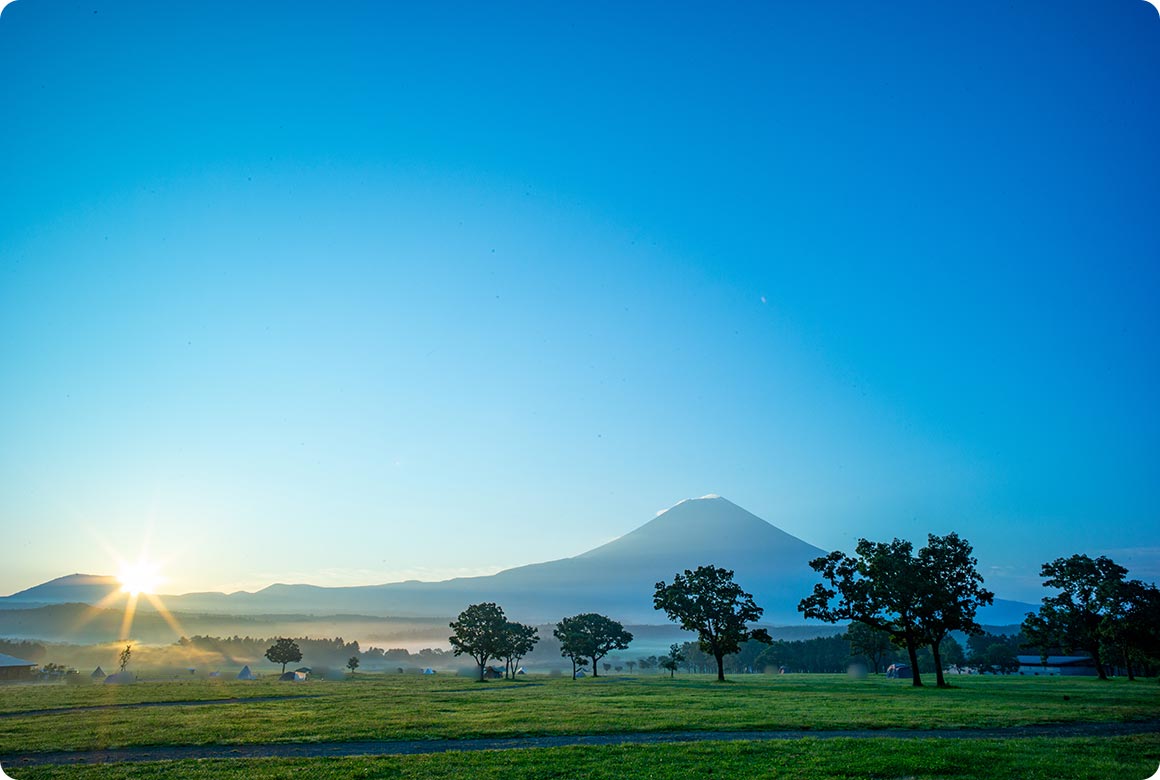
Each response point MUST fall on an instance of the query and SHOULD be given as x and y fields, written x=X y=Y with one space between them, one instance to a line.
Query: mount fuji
x=616 y=578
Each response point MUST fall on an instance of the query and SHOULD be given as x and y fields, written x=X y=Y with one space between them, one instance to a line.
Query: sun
x=139 y=579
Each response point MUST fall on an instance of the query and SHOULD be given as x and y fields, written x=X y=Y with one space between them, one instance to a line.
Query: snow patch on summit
x=685 y=501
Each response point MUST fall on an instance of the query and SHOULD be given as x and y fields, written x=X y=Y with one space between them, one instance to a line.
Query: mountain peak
x=706 y=497
x=713 y=528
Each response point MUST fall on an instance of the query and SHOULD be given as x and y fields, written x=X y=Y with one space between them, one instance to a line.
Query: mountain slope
x=73 y=588
x=616 y=578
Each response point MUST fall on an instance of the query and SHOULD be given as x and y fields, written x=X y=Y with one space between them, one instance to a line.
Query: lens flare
x=139 y=579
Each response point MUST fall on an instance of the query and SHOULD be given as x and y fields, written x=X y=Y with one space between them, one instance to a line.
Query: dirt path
x=412 y=747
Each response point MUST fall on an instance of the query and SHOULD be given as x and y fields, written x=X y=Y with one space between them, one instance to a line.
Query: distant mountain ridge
x=70 y=589
x=616 y=578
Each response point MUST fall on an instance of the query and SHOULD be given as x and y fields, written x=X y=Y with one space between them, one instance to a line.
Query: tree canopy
x=1097 y=611
x=284 y=651
x=480 y=632
x=871 y=643
x=672 y=660
x=590 y=635
x=951 y=595
x=519 y=640
x=708 y=601
x=917 y=599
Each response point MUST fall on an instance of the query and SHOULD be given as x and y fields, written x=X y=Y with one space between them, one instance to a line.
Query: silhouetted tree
x=871 y=643
x=672 y=660
x=518 y=642
x=125 y=657
x=1080 y=616
x=994 y=653
x=591 y=635
x=882 y=586
x=352 y=663
x=822 y=654
x=709 y=602
x=284 y=651
x=1132 y=626
x=480 y=632
x=951 y=593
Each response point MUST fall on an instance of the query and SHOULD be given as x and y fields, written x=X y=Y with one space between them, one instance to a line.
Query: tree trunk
x=594 y=674
x=1128 y=664
x=573 y=667
x=1095 y=651
x=912 y=652
x=283 y=668
x=720 y=667
x=940 y=681
x=482 y=665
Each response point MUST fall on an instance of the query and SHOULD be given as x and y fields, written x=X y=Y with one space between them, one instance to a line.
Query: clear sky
x=347 y=292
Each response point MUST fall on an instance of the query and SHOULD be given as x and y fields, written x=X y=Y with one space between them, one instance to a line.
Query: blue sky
x=354 y=292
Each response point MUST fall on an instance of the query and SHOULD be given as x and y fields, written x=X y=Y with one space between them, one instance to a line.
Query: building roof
x=9 y=660
x=1056 y=660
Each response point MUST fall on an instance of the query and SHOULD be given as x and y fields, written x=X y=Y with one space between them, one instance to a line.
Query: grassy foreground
x=1132 y=758
x=378 y=707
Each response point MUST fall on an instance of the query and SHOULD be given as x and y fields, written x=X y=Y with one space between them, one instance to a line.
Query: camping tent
x=293 y=677
x=246 y=674
x=428 y=671
x=898 y=671
x=580 y=673
x=120 y=678
x=98 y=674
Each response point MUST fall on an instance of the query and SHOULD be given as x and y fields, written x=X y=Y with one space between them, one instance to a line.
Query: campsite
x=1043 y=722
x=580 y=389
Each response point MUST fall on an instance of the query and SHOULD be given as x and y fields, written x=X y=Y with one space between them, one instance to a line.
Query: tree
x=871 y=643
x=591 y=636
x=352 y=664
x=125 y=657
x=1081 y=615
x=824 y=654
x=630 y=665
x=480 y=632
x=881 y=586
x=994 y=653
x=951 y=593
x=672 y=660
x=709 y=602
x=1139 y=637
x=284 y=651
x=518 y=642
x=952 y=653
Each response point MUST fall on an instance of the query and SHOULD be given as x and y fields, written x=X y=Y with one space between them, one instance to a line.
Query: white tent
x=246 y=674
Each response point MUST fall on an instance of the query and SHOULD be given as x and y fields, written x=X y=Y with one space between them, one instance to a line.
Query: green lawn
x=1130 y=758
x=372 y=707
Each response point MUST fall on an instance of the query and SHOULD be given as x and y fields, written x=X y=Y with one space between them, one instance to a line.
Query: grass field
x=1131 y=758
x=378 y=707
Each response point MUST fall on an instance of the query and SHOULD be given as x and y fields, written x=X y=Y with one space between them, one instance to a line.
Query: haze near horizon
x=367 y=293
